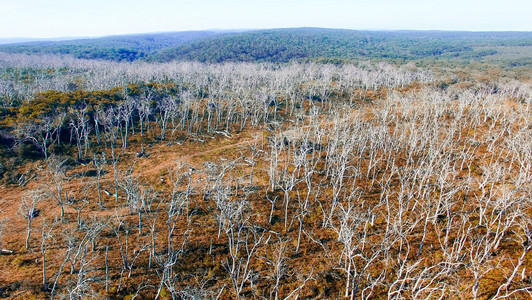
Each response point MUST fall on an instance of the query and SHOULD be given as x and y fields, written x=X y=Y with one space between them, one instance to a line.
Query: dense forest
x=300 y=44
x=280 y=164
x=284 y=45
x=117 y=48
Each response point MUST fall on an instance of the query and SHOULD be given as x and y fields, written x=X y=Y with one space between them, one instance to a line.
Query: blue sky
x=59 y=18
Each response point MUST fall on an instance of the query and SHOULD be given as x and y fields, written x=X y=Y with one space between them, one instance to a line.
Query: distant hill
x=122 y=47
x=307 y=44
x=18 y=40
x=282 y=45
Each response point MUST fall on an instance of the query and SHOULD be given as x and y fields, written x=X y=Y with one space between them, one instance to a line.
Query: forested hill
x=118 y=48
x=283 y=45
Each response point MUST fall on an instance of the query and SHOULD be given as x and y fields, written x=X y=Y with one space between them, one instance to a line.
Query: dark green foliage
x=117 y=48
x=283 y=45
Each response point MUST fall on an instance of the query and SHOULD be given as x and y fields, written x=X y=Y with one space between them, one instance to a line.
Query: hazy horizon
x=62 y=18
x=28 y=39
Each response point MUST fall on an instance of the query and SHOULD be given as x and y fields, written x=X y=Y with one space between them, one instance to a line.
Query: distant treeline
x=302 y=44
x=116 y=48
x=338 y=45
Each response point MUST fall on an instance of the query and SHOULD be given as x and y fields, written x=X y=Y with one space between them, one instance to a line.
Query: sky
x=83 y=18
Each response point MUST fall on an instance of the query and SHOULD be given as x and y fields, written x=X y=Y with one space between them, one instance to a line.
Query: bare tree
x=56 y=172
x=46 y=234
x=80 y=129
x=99 y=161
x=42 y=133
x=28 y=209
